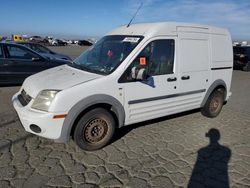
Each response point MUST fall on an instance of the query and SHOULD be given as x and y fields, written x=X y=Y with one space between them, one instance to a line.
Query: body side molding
x=166 y=96
x=220 y=68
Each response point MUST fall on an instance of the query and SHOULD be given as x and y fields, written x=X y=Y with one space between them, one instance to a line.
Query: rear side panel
x=222 y=59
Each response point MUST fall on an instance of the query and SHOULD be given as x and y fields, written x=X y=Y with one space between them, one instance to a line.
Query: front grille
x=24 y=98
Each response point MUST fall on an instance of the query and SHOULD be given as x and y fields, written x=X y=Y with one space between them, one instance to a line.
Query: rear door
x=194 y=67
x=22 y=62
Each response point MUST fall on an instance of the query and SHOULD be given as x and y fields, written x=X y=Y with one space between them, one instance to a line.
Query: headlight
x=44 y=99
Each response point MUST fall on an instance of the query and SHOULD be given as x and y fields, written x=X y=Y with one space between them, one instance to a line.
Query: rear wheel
x=95 y=129
x=214 y=104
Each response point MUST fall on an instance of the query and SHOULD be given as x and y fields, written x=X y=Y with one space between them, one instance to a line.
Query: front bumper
x=50 y=128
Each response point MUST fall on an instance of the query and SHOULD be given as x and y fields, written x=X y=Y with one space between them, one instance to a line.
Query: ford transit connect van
x=132 y=74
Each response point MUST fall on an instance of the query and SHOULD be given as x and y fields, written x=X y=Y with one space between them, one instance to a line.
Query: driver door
x=154 y=96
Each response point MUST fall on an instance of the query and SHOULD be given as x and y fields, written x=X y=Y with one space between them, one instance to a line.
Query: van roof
x=164 y=28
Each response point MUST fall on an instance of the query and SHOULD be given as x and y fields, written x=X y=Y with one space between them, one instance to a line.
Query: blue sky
x=79 y=18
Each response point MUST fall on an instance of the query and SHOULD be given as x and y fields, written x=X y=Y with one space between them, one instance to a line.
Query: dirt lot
x=167 y=152
x=73 y=50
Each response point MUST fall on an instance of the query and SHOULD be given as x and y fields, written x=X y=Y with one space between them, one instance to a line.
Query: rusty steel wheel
x=95 y=129
x=214 y=104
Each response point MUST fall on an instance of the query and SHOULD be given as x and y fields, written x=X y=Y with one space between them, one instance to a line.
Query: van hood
x=58 y=78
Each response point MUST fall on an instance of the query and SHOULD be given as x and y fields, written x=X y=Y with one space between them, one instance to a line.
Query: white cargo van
x=132 y=74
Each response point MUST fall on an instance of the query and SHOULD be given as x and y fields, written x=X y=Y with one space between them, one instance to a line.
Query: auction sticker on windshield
x=131 y=39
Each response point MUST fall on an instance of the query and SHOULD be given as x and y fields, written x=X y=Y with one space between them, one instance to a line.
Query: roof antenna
x=135 y=14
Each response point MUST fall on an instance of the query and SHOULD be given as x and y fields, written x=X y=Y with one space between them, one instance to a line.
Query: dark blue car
x=17 y=62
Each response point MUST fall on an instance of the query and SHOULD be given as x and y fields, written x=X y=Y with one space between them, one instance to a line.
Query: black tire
x=95 y=129
x=246 y=67
x=214 y=104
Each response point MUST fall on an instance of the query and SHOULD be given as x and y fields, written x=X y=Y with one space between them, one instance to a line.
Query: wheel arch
x=89 y=103
x=216 y=85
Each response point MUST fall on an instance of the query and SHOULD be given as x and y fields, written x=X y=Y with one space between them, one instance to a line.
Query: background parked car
x=3 y=38
x=85 y=43
x=242 y=57
x=36 y=39
x=18 y=62
x=70 y=41
x=58 y=42
x=75 y=41
x=44 y=51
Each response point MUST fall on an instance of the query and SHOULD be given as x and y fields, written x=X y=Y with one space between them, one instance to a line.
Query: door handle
x=185 y=77
x=172 y=79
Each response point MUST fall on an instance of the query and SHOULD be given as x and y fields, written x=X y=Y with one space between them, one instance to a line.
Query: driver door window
x=157 y=58
x=1 y=53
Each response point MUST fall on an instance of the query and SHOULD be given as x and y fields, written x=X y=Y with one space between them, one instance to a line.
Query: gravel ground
x=167 y=152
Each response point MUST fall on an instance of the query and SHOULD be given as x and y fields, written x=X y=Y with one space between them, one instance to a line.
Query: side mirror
x=138 y=74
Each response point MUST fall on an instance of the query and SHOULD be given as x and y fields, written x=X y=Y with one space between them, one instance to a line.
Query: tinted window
x=17 y=52
x=248 y=51
x=37 y=47
x=157 y=58
x=241 y=53
x=238 y=50
x=1 y=53
x=242 y=50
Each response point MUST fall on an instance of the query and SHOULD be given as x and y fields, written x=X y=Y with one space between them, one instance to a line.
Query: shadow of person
x=211 y=167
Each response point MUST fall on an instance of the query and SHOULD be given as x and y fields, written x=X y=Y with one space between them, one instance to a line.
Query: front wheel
x=95 y=129
x=214 y=104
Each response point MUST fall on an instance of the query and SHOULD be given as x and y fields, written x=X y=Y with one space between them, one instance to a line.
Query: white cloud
x=234 y=15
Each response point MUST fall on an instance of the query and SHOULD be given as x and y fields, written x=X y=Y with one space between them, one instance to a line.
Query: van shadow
x=211 y=167
x=121 y=132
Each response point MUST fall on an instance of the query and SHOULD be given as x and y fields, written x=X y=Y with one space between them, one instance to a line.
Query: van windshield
x=107 y=54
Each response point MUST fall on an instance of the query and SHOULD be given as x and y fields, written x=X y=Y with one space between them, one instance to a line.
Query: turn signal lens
x=59 y=116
